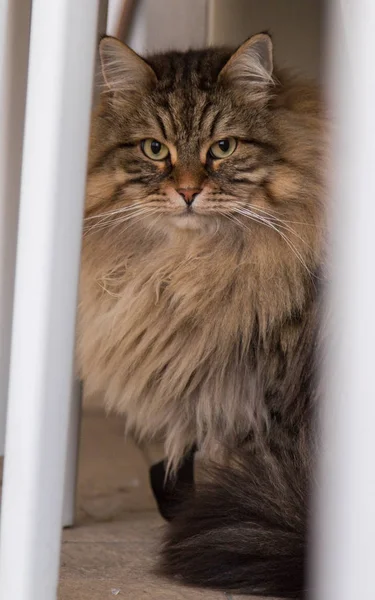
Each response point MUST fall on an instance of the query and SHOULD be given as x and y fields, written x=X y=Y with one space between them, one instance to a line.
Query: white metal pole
x=72 y=455
x=14 y=52
x=62 y=49
x=345 y=534
x=69 y=504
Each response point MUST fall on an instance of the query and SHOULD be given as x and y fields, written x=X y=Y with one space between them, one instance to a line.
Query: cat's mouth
x=188 y=211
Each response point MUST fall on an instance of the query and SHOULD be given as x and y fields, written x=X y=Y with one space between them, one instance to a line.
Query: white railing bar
x=72 y=459
x=14 y=52
x=344 y=538
x=62 y=49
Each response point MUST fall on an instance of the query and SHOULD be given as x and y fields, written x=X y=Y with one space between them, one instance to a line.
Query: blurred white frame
x=37 y=427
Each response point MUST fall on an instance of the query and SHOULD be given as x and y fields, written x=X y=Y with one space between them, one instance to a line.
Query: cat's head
x=202 y=140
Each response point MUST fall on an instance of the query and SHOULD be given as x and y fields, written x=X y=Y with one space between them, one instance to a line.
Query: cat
x=200 y=293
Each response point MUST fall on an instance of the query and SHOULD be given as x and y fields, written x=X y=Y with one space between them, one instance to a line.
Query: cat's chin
x=191 y=222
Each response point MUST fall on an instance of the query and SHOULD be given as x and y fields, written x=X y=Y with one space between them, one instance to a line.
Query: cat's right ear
x=123 y=70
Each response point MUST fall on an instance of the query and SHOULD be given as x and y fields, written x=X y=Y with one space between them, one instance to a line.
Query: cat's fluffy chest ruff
x=169 y=337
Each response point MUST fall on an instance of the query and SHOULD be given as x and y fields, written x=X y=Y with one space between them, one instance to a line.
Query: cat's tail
x=244 y=530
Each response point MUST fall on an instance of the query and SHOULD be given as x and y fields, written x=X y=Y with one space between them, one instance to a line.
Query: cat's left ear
x=251 y=65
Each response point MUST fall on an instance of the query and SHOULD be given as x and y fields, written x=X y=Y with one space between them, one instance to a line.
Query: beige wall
x=160 y=25
x=164 y=24
x=294 y=24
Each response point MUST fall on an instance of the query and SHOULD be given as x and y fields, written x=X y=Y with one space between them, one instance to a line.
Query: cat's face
x=188 y=141
x=192 y=174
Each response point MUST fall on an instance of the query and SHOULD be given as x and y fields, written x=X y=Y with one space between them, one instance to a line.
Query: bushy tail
x=245 y=529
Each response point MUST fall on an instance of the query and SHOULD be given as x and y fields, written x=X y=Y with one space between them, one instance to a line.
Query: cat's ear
x=123 y=70
x=251 y=65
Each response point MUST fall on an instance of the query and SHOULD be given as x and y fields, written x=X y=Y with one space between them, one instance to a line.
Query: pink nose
x=189 y=194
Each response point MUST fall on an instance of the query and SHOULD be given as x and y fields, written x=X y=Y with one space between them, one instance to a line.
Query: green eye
x=154 y=149
x=223 y=148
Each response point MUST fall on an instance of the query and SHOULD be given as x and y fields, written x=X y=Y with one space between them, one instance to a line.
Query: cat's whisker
x=141 y=213
x=141 y=218
x=154 y=221
x=106 y=218
x=280 y=222
x=261 y=219
x=125 y=209
x=268 y=223
x=111 y=222
x=234 y=220
x=103 y=224
x=279 y=219
x=136 y=219
x=222 y=214
x=271 y=215
x=115 y=212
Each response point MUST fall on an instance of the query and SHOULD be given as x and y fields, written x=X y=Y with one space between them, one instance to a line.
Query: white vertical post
x=69 y=504
x=345 y=534
x=14 y=51
x=62 y=49
x=72 y=455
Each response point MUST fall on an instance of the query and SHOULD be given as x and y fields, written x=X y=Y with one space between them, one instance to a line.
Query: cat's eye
x=154 y=149
x=223 y=148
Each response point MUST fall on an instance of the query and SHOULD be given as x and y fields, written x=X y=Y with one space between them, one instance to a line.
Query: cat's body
x=199 y=320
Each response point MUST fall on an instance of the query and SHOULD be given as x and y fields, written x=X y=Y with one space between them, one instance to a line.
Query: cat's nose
x=189 y=194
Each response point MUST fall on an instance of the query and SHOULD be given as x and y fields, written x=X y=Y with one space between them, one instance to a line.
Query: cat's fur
x=203 y=327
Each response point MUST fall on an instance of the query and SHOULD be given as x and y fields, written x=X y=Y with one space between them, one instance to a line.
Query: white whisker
x=275 y=217
x=268 y=223
x=114 y=222
x=115 y=212
x=280 y=222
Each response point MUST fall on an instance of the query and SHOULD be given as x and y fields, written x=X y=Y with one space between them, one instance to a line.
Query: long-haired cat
x=200 y=291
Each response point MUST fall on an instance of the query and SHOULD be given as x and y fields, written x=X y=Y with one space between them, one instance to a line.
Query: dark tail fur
x=245 y=530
